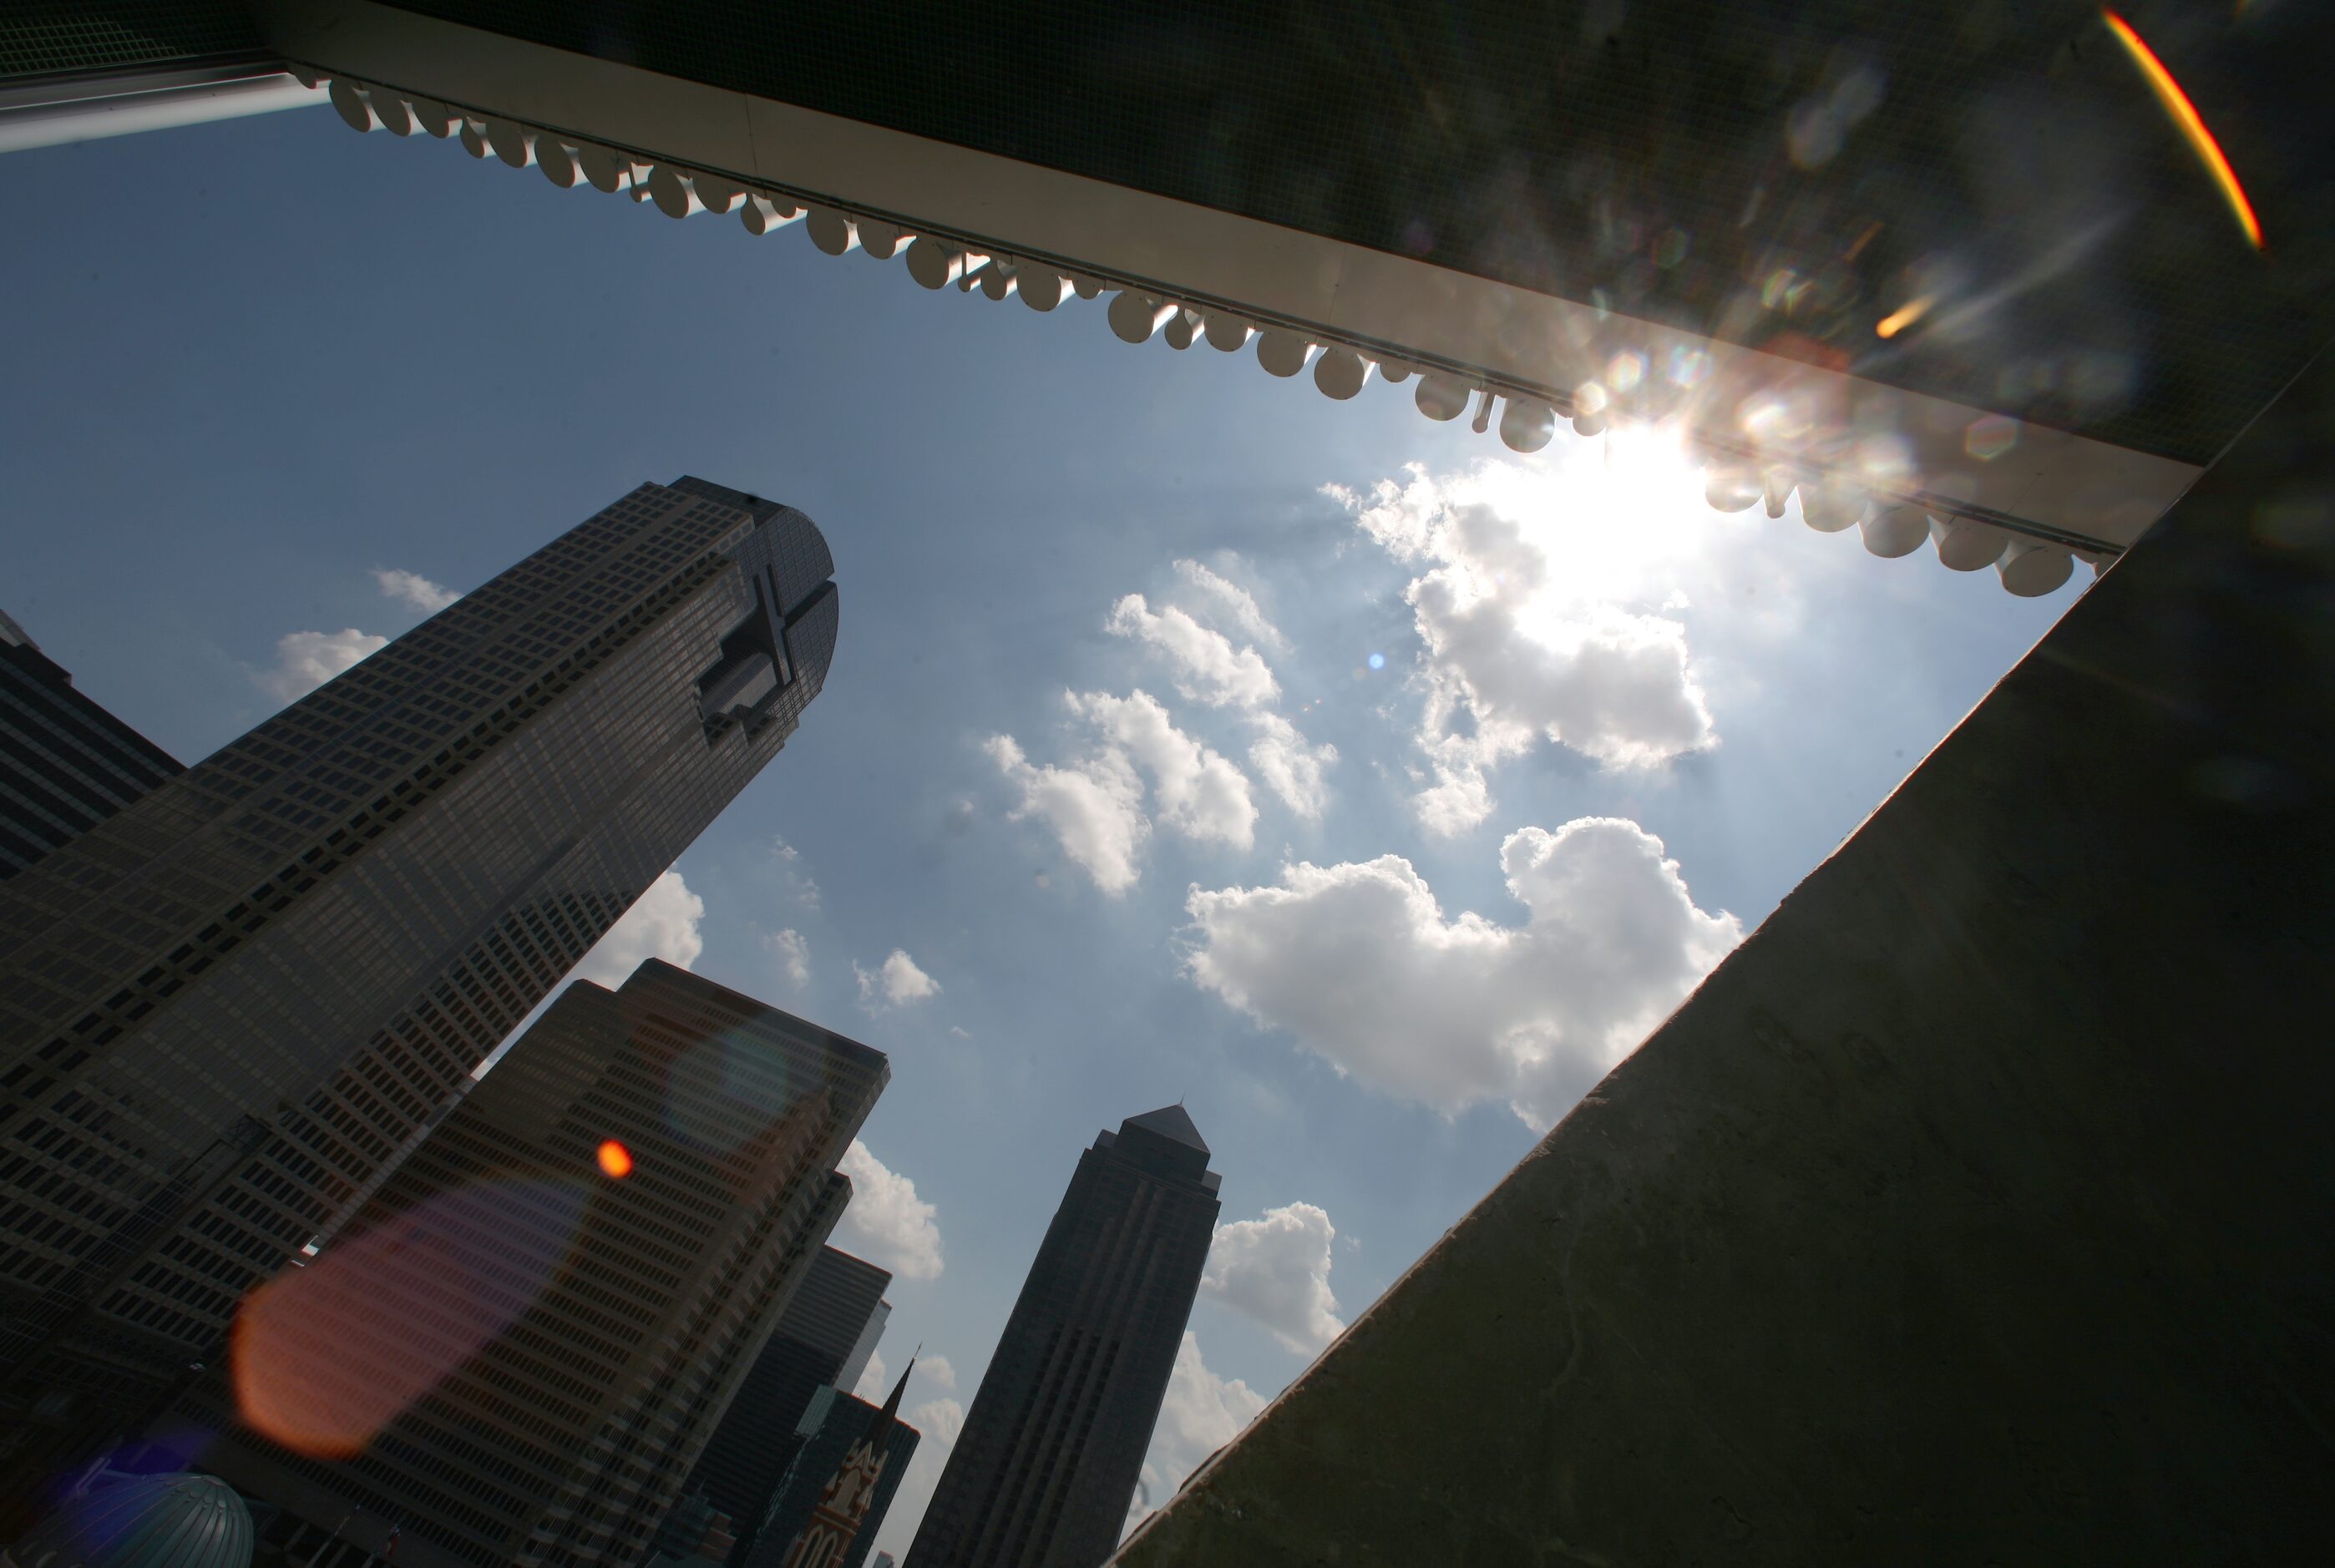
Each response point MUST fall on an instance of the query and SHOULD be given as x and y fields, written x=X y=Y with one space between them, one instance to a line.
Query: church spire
x=880 y=1429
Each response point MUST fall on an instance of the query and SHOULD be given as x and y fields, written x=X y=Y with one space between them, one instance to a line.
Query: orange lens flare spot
x=616 y=1159
x=2191 y=123
x=1903 y=316
x=324 y=1356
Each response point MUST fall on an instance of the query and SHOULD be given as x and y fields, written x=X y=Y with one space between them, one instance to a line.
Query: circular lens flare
x=616 y=1159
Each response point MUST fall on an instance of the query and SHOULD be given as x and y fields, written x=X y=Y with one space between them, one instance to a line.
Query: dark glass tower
x=823 y=1340
x=227 y=1007
x=66 y=763
x=1053 y=1445
x=519 y=1347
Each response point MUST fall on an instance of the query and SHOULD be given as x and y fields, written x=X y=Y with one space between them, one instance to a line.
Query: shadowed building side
x=520 y=1346
x=66 y=764
x=1048 y=1462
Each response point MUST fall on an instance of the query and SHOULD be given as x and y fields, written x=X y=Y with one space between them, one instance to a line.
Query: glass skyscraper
x=829 y=1331
x=518 y=1348
x=1054 y=1443
x=227 y=1009
x=66 y=764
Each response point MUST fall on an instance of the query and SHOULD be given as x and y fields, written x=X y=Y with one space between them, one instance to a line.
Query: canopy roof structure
x=1956 y=282
x=1963 y=277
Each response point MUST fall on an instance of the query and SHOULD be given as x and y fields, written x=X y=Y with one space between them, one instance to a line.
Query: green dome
x=179 y=1521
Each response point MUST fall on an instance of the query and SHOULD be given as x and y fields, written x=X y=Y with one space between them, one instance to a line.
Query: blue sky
x=273 y=359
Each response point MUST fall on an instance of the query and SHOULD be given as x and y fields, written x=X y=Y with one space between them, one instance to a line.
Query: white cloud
x=1277 y=1269
x=1095 y=808
x=1534 y=608
x=1206 y=667
x=306 y=660
x=797 y=877
x=663 y=922
x=875 y=1384
x=1096 y=805
x=1357 y=961
x=896 y=983
x=896 y=1229
x=1291 y=765
x=1201 y=1414
x=415 y=589
x=1201 y=794
x=937 y=1423
x=793 y=955
x=1237 y=602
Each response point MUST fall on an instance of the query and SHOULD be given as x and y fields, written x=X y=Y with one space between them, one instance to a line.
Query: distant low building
x=825 y=1337
x=834 y=1497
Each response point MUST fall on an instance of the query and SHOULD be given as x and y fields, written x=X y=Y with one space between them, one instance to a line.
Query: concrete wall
x=1980 y=1209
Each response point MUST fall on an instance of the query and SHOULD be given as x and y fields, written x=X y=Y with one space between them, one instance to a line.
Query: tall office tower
x=226 y=1006
x=66 y=763
x=1053 y=1445
x=516 y=1351
x=833 y=1497
x=826 y=1336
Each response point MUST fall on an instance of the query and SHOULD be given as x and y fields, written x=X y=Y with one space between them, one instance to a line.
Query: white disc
x=669 y=188
x=558 y=163
x=1135 y=317
x=438 y=119
x=513 y=143
x=1283 y=352
x=1729 y=488
x=1964 y=545
x=882 y=240
x=1441 y=395
x=1585 y=425
x=351 y=106
x=831 y=231
x=715 y=193
x=389 y=107
x=1044 y=288
x=1228 y=332
x=607 y=169
x=1086 y=287
x=2031 y=570
x=765 y=215
x=1341 y=372
x=999 y=278
x=934 y=264
x=1895 y=530
x=1395 y=369
x=1527 y=424
x=1830 y=508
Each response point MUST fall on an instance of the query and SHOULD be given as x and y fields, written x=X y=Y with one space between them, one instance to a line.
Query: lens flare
x=2193 y=125
x=325 y=1356
x=616 y=1159
x=1903 y=316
